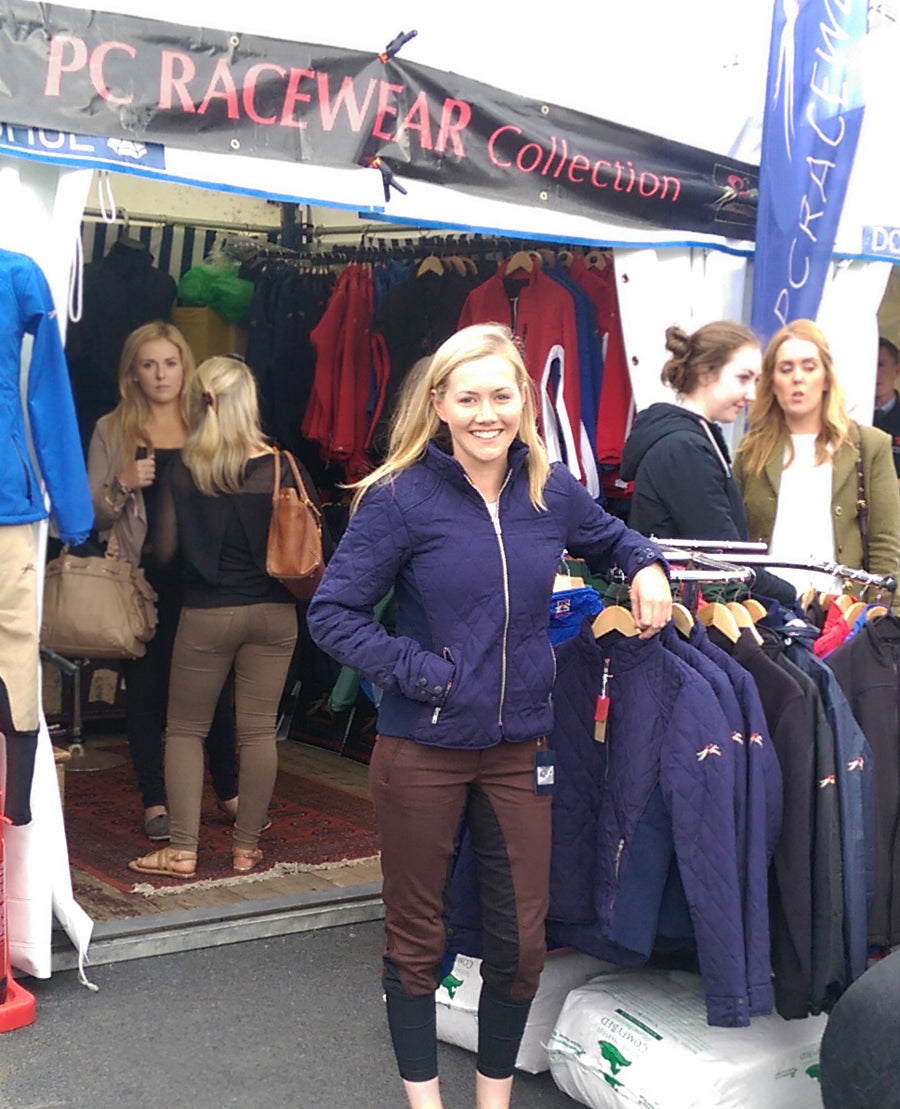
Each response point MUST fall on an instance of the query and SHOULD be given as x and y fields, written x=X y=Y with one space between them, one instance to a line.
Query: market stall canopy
x=581 y=127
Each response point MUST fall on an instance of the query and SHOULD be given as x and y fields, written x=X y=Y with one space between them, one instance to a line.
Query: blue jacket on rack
x=660 y=790
x=26 y=306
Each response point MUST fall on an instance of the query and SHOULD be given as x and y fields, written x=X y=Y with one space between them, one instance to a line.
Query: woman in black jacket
x=676 y=454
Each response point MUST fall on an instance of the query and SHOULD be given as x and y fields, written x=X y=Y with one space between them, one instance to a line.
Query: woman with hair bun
x=676 y=454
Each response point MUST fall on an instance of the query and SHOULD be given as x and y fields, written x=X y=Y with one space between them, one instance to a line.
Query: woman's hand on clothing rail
x=651 y=600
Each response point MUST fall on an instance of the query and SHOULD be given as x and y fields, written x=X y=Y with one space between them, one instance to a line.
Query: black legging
x=146 y=703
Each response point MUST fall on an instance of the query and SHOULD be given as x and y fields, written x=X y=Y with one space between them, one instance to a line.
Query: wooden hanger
x=875 y=611
x=682 y=618
x=521 y=260
x=852 y=614
x=844 y=601
x=743 y=619
x=716 y=615
x=565 y=257
x=595 y=260
x=469 y=263
x=756 y=608
x=455 y=263
x=431 y=264
x=807 y=599
x=615 y=618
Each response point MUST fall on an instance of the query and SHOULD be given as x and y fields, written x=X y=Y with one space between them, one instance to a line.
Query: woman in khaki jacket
x=129 y=450
x=797 y=466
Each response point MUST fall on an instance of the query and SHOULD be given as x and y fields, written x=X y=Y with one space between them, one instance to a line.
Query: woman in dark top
x=214 y=514
x=676 y=454
x=130 y=451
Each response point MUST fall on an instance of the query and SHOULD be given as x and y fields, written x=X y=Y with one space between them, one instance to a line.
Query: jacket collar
x=440 y=458
x=843 y=464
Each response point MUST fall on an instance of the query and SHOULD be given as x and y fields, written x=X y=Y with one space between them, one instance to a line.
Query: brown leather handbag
x=294 y=547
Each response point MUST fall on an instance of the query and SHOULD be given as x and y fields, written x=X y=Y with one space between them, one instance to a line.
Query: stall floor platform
x=107 y=904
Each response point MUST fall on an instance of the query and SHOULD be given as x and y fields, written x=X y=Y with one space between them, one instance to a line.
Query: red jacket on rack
x=542 y=314
x=616 y=400
x=336 y=415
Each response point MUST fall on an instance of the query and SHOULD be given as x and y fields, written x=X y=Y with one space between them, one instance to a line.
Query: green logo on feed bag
x=813 y=1071
x=451 y=984
x=613 y=1056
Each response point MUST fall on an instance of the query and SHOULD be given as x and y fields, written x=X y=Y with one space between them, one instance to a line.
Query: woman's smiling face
x=482 y=408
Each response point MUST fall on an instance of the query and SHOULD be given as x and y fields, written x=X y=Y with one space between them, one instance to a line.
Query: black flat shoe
x=157 y=827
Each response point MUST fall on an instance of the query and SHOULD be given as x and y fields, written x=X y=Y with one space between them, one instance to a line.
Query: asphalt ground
x=291 y=1021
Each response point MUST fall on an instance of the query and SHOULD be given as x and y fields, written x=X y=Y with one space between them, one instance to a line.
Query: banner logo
x=813 y=118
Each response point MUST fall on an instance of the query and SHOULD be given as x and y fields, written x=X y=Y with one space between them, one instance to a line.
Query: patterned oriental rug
x=314 y=826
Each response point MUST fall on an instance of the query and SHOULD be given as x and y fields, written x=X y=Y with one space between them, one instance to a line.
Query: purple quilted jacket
x=470 y=663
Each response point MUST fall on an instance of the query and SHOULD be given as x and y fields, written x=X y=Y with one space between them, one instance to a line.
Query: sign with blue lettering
x=813 y=117
x=64 y=146
x=883 y=241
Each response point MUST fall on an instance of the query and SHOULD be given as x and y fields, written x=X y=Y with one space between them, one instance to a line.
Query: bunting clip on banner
x=67 y=71
x=813 y=117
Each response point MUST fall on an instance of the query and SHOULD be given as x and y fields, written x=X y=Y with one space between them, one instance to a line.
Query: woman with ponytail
x=214 y=514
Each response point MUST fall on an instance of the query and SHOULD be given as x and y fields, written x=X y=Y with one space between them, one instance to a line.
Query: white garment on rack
x=803 y=530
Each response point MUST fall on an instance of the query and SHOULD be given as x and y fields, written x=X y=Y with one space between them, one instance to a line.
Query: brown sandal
x=244 y=859
x=167 y=861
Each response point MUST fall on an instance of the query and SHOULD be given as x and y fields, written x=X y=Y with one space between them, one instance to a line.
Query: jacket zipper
x=437 y=712
x=499 y=533
x=619 y=850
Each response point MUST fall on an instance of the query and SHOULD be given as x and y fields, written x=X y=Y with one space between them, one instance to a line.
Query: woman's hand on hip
x=651 y=600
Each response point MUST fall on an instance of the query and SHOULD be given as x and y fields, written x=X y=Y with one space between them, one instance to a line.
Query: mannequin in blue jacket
x=26 y=307
x=467 y=520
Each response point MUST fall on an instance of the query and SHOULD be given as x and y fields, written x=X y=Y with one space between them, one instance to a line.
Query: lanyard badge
x=544 y=769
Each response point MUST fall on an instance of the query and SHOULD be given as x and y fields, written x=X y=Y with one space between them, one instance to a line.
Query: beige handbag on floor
x=97 y=607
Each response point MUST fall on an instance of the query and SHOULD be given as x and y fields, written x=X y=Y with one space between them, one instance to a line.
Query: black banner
x=114 y=76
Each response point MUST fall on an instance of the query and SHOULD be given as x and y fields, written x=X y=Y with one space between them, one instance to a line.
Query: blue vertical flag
x=813 y=117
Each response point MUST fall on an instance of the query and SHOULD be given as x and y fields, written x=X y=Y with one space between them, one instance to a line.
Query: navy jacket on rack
x=853 y=771
x=867 y=668
x=791 y=722
x=753 y=858
x=828 y=972
x=660 y=788
x=765 y=803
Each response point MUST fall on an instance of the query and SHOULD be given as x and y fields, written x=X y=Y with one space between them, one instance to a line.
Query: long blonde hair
x=768 y=427
x=416 y=421
x=128 y=420
x=224 y=422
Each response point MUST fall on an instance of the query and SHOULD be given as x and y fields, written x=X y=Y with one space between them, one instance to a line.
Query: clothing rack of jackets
x=755 y=554
x=386 y=312
x=727 y=815
x=665 y=821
